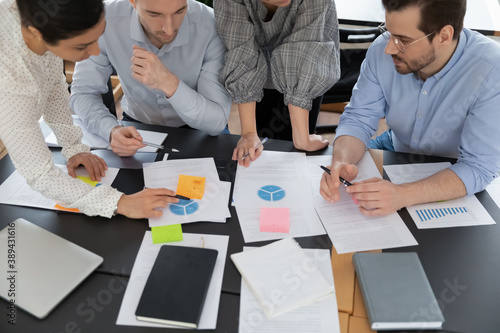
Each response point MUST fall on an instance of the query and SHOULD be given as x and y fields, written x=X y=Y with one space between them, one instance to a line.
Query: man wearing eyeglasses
x=438 y=86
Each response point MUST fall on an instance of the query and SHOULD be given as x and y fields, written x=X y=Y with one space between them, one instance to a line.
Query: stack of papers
x=282 y=277
x=144 y=263
x=461 y=212
x=349 y=230
x=213 y=207
x=273 y=198
x=15 y=191
x=317 y=317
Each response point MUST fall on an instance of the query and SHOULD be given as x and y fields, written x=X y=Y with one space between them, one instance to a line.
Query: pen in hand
x=260 y=144
x=342 y=180
x=154 y=145
x=178 y=196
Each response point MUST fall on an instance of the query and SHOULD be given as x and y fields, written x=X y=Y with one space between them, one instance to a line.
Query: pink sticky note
x=275 y=219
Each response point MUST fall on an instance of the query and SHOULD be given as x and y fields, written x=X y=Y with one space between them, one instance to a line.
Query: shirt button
x=414 y=138
x=419 y=115
x=424 y=93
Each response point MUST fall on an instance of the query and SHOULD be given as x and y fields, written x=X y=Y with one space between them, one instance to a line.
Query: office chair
x=350 y=64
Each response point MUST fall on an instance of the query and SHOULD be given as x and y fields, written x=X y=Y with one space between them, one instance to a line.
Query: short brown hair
x=434 y=14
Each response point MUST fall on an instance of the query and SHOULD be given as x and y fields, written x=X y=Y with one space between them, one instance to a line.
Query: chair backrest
x=350 y=63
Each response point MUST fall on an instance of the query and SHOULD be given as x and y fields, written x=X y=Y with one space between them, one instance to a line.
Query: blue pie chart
x=184 y=207
x=271 y=193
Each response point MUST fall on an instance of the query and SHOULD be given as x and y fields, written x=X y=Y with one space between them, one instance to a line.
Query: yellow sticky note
x=191 y=186
x=167 y=234
x=86 y=179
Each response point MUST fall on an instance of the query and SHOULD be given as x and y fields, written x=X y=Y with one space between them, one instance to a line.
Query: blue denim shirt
x=455 y=113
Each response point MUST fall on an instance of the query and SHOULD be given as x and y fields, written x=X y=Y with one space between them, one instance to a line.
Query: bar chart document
x=461 y=212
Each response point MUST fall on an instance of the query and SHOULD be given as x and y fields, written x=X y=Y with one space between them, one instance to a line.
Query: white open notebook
x=282 y=277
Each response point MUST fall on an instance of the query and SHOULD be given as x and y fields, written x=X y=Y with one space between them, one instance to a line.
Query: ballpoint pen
x=154 y=145
x=260 y=144
x=342 y=180
x=178 y=196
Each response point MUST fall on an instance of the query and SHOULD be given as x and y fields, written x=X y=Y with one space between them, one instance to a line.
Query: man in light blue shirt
x=438 y=86
x=168 y=57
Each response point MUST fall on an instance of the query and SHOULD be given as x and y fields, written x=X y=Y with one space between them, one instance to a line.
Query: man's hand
x=329 y=186
x=377 y=197
x=247 y=144
x=148 y=69
x=95 y=166
x=143 y=204
x=125 y=141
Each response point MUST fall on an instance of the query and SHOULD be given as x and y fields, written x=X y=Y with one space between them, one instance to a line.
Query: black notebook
x=177 y=285
x=396 y=292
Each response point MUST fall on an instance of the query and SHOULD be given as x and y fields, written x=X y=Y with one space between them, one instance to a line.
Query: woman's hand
x=95 y=166
x=247 y=144
x=144 y=204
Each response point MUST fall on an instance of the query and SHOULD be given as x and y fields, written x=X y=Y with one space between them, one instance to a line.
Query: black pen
x=342 y=180
x=178 y=196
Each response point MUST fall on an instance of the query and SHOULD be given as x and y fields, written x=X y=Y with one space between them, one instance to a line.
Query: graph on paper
x=446 y=213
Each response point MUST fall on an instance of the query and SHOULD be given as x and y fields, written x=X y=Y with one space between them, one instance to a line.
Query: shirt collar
x=137 y=33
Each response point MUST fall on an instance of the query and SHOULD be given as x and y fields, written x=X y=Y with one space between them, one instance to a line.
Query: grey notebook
x=396 y=292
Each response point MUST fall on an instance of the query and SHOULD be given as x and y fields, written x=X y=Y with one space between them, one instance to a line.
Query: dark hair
x=60 y=19
x=434 y=14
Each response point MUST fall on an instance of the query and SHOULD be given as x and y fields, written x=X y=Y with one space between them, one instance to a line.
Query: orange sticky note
x=191 y=186
x=75 y=210
x=274 y=219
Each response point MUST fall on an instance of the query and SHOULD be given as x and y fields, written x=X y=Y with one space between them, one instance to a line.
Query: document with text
x=494 y=191
x=95 y=141
x=318 y=317
x=144 y=263
x=16 y=191
x=213 y=207
x=275 y=180
x=461 y=212
x=349 y=230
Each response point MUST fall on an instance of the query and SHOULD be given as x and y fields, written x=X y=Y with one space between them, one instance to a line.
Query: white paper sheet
x=349 y=230
x=94 y=141
x=15 y=191
x=318 y=317
x=494 y=191
x=461 y=212
x=212 y=208
x=275 y=179
x=144 y=263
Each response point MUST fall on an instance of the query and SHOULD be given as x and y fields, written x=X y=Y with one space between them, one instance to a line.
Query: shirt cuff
x=465 y=173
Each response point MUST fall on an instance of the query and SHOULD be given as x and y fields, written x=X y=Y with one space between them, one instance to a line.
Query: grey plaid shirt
x=297 y=52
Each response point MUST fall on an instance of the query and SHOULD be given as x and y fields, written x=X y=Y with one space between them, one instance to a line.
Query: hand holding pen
x=248 y=149
x=329 y=189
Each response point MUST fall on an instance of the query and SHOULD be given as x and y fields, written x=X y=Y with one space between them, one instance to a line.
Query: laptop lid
x=42 y=268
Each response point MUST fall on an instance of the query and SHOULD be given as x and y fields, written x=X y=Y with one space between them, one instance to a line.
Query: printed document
x=494 y=191
x=279 y=180
x=461 y=212
x=144 y=263
x=212 y=208
x=349 y=230
x=95 y=141
x=15 y=191
x=318 y=317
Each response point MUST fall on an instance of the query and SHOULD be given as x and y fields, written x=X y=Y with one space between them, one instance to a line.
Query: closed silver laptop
x=41 y=268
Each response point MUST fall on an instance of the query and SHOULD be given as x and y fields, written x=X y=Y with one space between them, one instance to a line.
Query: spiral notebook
x=282 y=277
